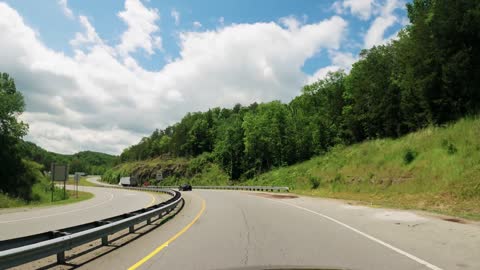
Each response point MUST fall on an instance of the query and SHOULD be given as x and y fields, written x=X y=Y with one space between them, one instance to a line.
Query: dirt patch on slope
x=274 y=196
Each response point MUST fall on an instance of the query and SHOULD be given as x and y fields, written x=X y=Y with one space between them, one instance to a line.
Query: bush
x=314 y=182
x=409 y=156
x=451 y=149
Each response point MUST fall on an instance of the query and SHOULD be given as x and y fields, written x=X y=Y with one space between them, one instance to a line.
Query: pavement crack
x=245 y=258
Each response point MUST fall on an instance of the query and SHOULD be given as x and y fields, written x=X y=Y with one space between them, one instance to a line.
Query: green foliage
x=16 y=177
x=315 y=182
x=11 y=105
x=449 y=146
x=198 y=171
x=375 y=171
x=89 y=162
x=36 y=189
x=430 y=75
x=20 y=179
x=409 y=156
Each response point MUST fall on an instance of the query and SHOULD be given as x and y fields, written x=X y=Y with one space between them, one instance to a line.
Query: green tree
x=268 y=137
x=229 y=147
x=14 y=179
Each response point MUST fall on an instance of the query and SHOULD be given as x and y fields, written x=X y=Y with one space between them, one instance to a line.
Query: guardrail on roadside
x=14 y=252
x=252 y=188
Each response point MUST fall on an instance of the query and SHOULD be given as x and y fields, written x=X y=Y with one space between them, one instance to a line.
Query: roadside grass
x=8 y=202
x=42 y=195
x=82 y=182
x=435 y=169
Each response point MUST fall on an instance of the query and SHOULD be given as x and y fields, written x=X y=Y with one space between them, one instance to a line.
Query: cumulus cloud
x=376 y=33
x=66 y=10
x=90 y=37
x=176 y=16
x=197 y=24
x=290 y=22
x=141 y=28
x=99 y=101
x=339 y=60
x=359 y=8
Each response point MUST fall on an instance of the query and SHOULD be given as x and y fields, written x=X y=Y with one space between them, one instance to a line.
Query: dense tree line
x=89 y=162
x=429 y=75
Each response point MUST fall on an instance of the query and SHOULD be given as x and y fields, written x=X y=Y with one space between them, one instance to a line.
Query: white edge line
x=402 y=252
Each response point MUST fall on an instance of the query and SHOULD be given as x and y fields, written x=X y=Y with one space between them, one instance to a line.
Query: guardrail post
x=131 y=229
x=105 y=240
x=61 y=257
x=149 y=221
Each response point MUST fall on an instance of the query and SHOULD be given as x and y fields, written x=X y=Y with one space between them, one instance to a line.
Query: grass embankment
x=435 y=169
x=82 y=182
x=175 y=171
x=42 y=194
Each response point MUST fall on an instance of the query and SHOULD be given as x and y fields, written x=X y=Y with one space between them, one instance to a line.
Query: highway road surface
x=252 y=230
x=106 y=203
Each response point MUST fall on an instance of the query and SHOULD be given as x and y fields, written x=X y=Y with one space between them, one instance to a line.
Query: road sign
x=59 y=173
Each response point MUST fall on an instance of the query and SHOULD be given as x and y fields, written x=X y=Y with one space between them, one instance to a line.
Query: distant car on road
x=185 y=187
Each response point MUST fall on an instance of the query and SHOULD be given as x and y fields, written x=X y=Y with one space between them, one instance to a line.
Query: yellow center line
x=153 y=200
x=164 y=245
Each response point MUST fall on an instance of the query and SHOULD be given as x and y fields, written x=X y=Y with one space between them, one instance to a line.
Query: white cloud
x=322 y=73
x=221 y=21
x=176 y=16
x=197 y=24
x=141 y=28
x=95 y=100
x=342 y=59
x=339 y=60
x=90 y=37
x=290 y=22
x=386 y=19
x=66 y=10
x=359 y=8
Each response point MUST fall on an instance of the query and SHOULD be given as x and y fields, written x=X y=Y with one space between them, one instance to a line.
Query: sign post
x=77 y=179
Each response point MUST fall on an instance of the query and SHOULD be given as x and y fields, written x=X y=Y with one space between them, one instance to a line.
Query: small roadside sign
x=59 y=173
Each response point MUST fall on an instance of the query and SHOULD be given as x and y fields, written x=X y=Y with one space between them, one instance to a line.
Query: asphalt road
x=106 y=202
x=246 y=230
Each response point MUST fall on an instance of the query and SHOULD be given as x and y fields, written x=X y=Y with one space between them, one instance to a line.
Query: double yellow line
x=164 y=245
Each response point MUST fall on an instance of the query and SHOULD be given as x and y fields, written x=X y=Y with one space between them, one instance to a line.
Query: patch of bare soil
x=456 y=220
x=274 y=196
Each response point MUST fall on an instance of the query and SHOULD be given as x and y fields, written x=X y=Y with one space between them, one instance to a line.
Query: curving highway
x=251 y=230
x=106 y=202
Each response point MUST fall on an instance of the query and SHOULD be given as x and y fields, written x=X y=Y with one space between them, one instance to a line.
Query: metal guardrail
x=252 y=188
x=22 y=250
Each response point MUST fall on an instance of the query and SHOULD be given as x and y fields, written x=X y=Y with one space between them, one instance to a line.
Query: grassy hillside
x=41 y=191
x=197 y=171
x=436 y=169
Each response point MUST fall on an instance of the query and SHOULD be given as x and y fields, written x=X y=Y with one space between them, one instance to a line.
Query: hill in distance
x=90 y=162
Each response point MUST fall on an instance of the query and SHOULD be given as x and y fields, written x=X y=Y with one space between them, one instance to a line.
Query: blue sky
x=218 y=47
